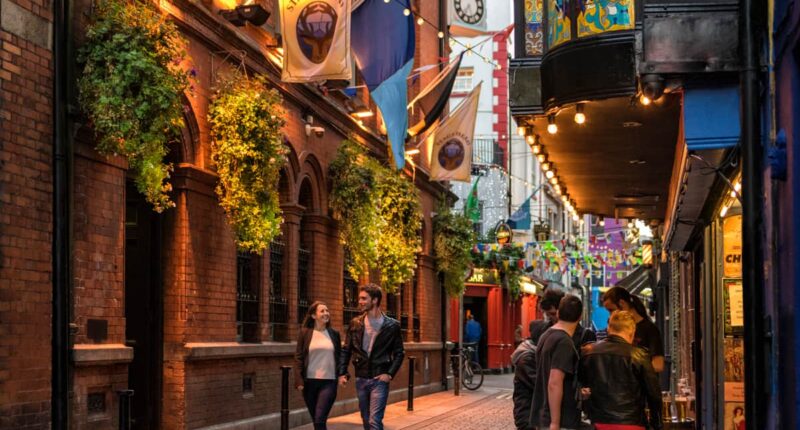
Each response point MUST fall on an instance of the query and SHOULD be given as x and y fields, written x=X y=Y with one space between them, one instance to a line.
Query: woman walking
x=316 y=361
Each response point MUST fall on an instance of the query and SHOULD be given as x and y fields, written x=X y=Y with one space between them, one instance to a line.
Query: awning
x=637 y=281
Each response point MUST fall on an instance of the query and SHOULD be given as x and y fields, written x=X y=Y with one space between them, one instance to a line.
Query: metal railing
x=486 y=151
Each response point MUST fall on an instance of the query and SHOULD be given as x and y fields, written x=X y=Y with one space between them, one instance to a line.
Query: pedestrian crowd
x=567 y=380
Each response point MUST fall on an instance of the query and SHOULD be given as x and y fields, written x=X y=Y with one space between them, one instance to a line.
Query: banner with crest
x=450 y=145
x=316 y=40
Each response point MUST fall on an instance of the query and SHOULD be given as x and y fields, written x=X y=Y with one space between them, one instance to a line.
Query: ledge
x=98 y=355
x=423 y=346
x=223 y=350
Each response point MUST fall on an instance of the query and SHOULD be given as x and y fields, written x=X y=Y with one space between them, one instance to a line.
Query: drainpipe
x=60 y=246
x=756 y=346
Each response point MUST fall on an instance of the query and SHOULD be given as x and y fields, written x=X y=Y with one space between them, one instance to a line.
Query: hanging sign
x=484 y=276
x=504 y=234
x=732 y=246
x=316 y=40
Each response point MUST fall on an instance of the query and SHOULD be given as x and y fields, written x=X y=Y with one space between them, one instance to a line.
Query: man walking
x=621 y=380
x=374 y=342
x=555 y=405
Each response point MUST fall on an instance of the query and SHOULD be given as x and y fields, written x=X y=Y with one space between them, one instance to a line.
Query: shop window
x=248 y=275
x=278 y=303
x=349 y=292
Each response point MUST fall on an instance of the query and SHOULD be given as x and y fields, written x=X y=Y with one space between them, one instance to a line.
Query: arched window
x=305 y=250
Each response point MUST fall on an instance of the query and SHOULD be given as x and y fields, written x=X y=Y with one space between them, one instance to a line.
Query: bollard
x=411 y=383
x=285 y=397
x=456 y=378
x=124 y=399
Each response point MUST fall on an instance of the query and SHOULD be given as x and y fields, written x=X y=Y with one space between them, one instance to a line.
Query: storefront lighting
x=522 y=130
x=723 y=211
x=602 y=222
x=552 y=128
x=549 y=174
x=531 y=139
x=546 y=166
x=580 y=117
x=414 y=151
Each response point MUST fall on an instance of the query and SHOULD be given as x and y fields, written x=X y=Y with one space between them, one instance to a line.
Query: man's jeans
x=372 y=397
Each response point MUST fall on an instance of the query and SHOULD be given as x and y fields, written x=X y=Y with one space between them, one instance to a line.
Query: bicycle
x=471 y=371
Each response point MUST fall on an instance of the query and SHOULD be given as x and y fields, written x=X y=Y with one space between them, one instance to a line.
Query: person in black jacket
x=317 y=363
x=524 y=359
x=549 y=304
x=374 y=342
x=620 y=380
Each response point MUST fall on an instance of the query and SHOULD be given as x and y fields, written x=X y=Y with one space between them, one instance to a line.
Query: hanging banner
x=451 y=142
x=316 y=40
x=467 y=17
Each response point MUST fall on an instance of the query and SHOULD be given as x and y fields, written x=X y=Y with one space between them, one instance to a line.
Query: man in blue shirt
x=472 y=334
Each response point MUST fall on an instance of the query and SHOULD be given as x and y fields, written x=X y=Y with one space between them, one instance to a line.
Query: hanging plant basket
x=453 y=238
x=247 y=147
x=131 y=90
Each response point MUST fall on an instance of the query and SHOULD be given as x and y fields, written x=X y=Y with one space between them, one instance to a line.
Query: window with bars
x=303 y=282
x=390 y=307
x=403 y=295
x=415 y=305
x=349 y=293
x=278 y=303
x=248 y=276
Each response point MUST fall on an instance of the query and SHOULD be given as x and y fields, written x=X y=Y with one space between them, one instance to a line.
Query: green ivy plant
x=506 y=260
x=453 y=238
x=378 y=213
x=247 y=147
x=131 y=89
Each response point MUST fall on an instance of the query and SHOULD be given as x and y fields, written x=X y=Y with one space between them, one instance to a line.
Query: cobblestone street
x=489 y=407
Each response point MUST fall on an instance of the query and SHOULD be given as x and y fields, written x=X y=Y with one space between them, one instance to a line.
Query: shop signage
x=484 y=276
x=732 y=246
x=734 y=305
x=504 y=234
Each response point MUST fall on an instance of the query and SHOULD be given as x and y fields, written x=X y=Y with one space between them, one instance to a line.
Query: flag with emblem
x=451 y=143
x=316 y=40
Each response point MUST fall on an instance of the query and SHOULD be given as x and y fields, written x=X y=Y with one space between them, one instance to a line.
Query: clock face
x=469 y=11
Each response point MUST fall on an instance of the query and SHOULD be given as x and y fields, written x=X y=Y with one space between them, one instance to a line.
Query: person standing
x=549 y=305
x=374 y=342
x=472 y=335
x=555 y=404
x=620 y=380
x=647 y=334
x=524 y=360
x=316 y=363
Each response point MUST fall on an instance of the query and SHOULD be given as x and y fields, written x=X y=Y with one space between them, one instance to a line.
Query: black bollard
x=124 y=399
x=285 y=397
x=456 y=374
x=411 y=383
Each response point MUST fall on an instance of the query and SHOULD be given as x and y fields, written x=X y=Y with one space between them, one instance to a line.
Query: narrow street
x=489 y=407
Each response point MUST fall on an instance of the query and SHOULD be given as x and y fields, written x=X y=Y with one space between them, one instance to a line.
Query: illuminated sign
x=732 y=246
x=504 y=234
x=484 y=276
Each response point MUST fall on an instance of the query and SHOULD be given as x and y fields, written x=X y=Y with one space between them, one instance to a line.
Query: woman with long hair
x=316 y=363
x=647 y=334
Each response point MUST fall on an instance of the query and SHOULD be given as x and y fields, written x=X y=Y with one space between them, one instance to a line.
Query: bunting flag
x=316 y=40
x=471 y=206
x=383 y=44
x=451 y=142
x=433 y=99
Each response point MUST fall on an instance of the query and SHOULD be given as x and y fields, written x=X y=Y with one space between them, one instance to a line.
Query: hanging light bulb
x=553 y=180
x=557 y=187
x=575 y=217
x=580 y=117
x=552 y=128
x=565 y=199
x=440 y=34
x=602 y=222
x=550 y=174
x=542 y=157
x=723 y=212
x=537 y=149
x=546 y=166
x=406 y=11
x=522 y=130
x=531 y=139
x=644 y=100
x=387 y=1
x=497 y=66
x=630 y=223
x=420 y=21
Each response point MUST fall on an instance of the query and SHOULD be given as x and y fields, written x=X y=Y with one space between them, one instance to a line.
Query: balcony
x=487 y=152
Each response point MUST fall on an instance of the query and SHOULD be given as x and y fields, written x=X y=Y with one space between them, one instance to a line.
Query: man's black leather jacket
x=387 y=349
x=622 y=381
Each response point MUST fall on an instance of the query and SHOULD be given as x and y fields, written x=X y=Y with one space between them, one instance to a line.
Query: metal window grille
x=391 y=305
x=349 y=293
x=278 y=304
x=247 y=297
x=415 y=306
x=487 y=152
x=303 y=281
x=402 y=290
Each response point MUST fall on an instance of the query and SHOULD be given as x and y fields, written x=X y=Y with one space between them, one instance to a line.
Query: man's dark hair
x=537 y=329
x=570 y=309
x=551 y=298
x=373 y=290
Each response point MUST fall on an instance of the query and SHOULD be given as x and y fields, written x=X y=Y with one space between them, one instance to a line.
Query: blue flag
x=521 y=219
x=382 y=40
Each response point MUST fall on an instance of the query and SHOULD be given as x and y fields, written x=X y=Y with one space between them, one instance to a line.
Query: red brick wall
x=25 y=226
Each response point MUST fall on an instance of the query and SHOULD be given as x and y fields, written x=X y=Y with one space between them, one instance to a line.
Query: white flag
x=451 y=142
x=316 y=40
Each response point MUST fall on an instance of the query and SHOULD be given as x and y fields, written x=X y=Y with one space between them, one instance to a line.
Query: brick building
x=162 y=303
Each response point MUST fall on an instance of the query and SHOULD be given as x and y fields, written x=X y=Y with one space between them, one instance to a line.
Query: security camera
x=318 y=131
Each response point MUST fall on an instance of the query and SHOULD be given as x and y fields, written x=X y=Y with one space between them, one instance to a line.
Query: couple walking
x=374 y=343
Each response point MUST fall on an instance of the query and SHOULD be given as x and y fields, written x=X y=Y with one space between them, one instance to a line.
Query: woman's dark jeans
x=319 y=395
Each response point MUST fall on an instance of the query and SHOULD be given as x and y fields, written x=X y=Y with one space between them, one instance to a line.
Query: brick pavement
x=490 y=407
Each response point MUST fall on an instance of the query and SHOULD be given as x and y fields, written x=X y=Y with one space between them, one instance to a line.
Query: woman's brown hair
x=308 y=321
